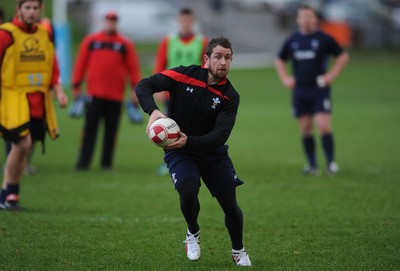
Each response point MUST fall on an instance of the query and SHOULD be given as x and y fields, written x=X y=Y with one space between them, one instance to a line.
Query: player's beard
x=28 y=20
x=218 y=74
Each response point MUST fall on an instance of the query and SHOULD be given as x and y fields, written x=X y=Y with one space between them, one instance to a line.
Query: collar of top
x=23 y=26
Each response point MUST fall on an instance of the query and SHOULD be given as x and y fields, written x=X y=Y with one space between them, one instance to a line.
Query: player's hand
x=328 y=78
x=60 y=95
x=62 y=99
x=180 y=143
x=289 y=82
x=155 y=115
x=324 y=80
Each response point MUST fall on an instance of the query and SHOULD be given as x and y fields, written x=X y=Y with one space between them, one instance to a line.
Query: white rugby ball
x=164 y=131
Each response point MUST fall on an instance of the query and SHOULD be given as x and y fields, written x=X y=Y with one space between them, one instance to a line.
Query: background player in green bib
x=183 y=48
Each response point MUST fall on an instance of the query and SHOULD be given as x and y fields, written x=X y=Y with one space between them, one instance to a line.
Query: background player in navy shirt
x=204 y=104
x=309 y=50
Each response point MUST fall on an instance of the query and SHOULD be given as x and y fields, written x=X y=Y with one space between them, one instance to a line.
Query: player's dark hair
x=21 y=2
x=220 y=41
x=186 y=11
x=308 y=7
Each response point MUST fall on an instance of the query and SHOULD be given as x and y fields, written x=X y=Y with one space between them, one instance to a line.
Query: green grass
x=129 y=218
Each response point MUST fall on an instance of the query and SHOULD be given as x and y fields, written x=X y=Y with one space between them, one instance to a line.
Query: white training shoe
x=192 y=246
x=333 y=168
x=241 y=258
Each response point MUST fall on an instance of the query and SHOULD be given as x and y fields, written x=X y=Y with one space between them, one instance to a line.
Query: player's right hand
x=289 y=82
x=155 y=115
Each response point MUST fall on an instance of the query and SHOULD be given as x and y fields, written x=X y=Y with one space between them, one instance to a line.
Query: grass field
x=129 y=218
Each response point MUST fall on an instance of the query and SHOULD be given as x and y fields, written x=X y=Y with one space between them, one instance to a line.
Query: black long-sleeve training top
x=205 y=113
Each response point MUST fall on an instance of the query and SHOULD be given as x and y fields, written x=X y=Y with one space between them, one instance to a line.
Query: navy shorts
x=311 y=100
x=214 y=168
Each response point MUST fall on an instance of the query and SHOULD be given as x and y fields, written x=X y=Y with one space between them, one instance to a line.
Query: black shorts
x=37 y=130
x=311 y=100
x=214 y=168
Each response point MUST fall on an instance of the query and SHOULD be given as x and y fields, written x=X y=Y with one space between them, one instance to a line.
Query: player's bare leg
x=14 y=170
x=306 y=125
x=323 y=123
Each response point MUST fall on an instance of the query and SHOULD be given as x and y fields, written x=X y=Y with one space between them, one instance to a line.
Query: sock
x=328 y=145
x=195 y=234
x=12 y=189
x=309 y=149
x=3 y=196
x=235 y=251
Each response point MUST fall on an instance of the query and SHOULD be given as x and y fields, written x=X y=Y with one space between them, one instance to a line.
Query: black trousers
x=99 y=109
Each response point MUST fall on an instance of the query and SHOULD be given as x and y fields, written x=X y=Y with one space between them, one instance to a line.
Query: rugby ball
x=164 y=131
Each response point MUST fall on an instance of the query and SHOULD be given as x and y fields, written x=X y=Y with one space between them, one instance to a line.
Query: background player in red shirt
x=106 y=58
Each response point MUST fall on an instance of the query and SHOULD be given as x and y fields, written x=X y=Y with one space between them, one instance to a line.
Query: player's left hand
x=328 y=78
x=180 y=143
x=62 y=99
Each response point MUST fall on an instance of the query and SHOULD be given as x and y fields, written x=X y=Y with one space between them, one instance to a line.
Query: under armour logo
x=188 y=89
x=216 y=101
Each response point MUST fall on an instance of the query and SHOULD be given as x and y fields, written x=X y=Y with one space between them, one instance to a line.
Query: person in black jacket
x=204 y=104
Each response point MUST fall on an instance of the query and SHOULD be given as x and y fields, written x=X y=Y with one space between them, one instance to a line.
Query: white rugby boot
x=192 y=246
x=240 y=257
